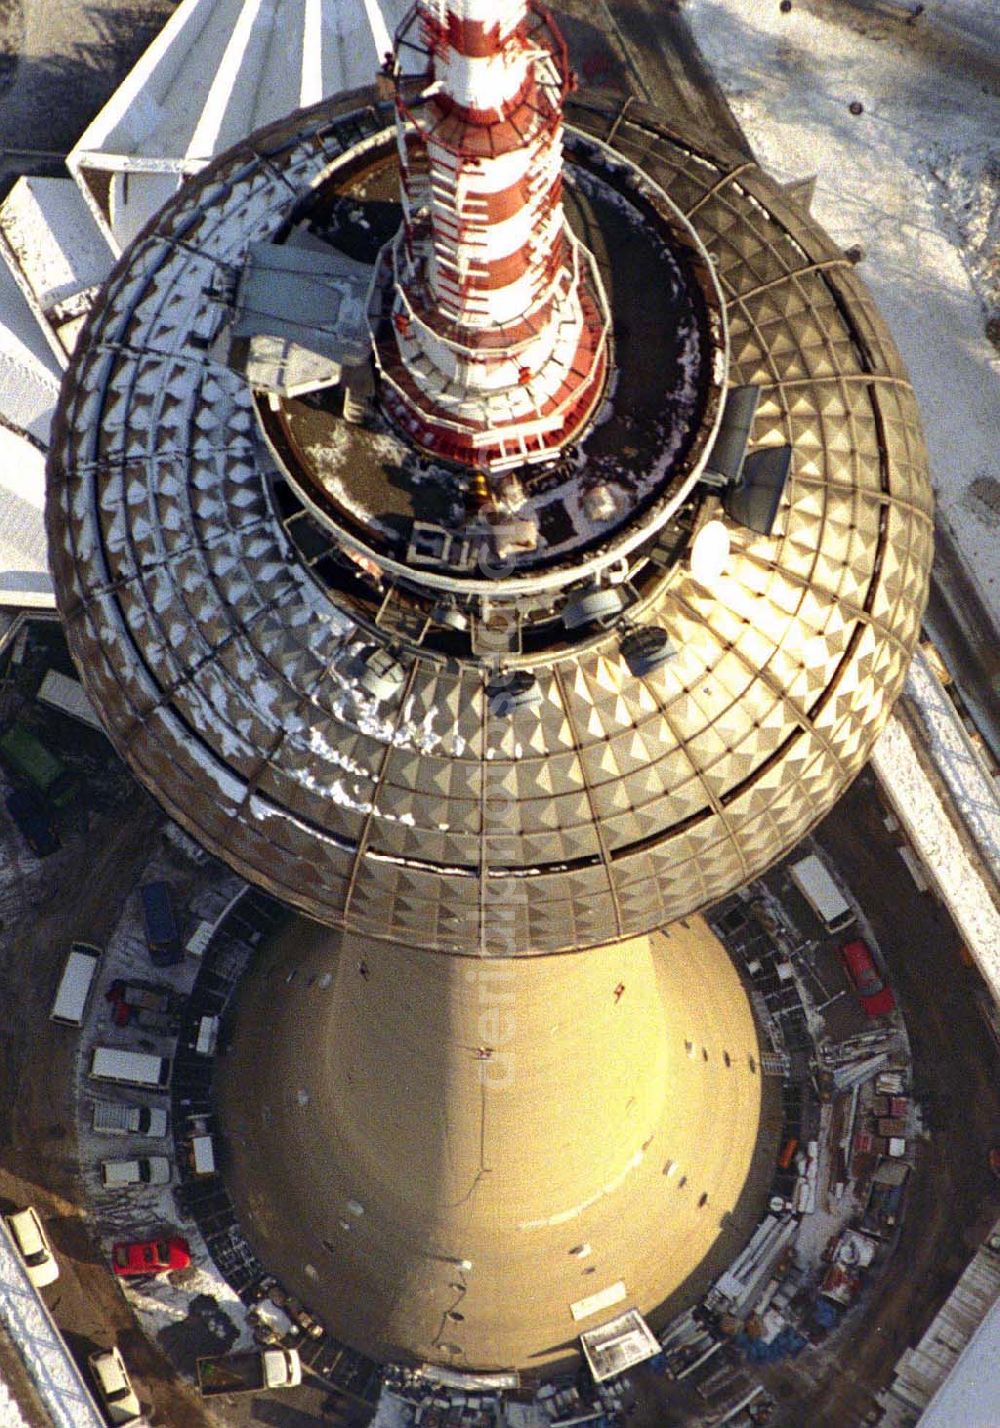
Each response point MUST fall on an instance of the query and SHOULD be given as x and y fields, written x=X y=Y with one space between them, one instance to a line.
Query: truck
x=145 y=1005
x=129 y=1068
x=256 y=1369
x=885 y=1199
x=123 y=1118
x=821 y=893
x=28 y=758
x=75 y=983
x=141 y=1170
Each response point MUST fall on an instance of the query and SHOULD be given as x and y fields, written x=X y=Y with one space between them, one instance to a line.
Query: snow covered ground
x=10 y=1414
x=27 y=1323
x=914 y=179
x=118 y=1214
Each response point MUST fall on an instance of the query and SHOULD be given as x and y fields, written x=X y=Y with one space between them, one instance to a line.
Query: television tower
x=496 y=652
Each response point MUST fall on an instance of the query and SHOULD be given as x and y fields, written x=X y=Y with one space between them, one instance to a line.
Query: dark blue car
x=33 y=821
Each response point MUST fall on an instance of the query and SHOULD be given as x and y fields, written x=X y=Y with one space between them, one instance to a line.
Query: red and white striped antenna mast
x=497 y=350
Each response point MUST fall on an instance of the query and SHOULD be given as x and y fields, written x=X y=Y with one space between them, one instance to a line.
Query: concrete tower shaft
x=477 y=1158
x=500 y=323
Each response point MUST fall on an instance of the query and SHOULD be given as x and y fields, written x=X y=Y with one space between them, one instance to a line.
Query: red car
x=875 y=997
x=150 y=1256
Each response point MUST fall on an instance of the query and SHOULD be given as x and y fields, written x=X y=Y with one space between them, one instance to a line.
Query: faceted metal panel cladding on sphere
x=615 y=803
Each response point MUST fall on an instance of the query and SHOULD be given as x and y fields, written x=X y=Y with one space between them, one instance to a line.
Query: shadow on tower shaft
x=443 y=1156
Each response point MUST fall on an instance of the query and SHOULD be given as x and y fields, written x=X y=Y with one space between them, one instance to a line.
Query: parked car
x=875 y=997
x=150 y=1256
x=114 y=1386
x=32 y=820
x=33 y=1246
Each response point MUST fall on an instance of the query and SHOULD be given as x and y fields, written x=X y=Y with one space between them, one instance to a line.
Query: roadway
x=963 y=631
x=952 y=1196
x=78 y=892
x=60 y=61
x=645 y=48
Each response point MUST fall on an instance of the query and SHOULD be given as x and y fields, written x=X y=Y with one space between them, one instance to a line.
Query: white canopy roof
x=56 y=254
x=218 y=70
x=29 y=372
x=24 y=574
x=970 y=1394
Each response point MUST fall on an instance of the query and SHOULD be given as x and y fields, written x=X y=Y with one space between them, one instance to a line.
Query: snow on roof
x=19 y=334
x=393 y=1412
x=218 y=70
x=29 y=372
x=919 y=808
x=10 y=1414
x=55 y=252
x=24 y=572
x=179 y=546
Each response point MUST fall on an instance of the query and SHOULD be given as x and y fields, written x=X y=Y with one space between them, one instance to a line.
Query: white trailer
x=129 y=1068
x=75 y=984
x=821 y=893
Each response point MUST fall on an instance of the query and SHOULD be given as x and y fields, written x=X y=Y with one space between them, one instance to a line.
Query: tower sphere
x=399 y=692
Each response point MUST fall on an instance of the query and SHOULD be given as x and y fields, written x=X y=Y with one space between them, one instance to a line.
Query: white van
x=208 y=1035
x=143 y=1170
x=821 y=893
x=202 y=1155
x=75 y=984
x=129 y=1068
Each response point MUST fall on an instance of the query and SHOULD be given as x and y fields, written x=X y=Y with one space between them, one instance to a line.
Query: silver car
x=114 y=1386
x=33 y=1246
